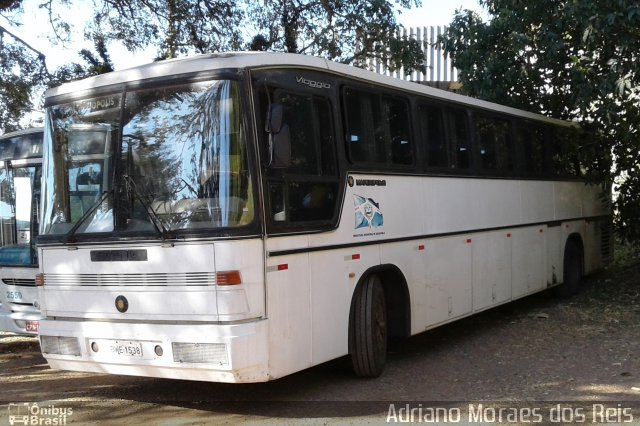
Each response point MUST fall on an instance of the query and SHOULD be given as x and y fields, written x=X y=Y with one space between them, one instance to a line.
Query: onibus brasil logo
x=33 y=414
x=367 y=213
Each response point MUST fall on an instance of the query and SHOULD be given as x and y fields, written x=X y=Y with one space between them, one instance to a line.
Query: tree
x=174 y=27
x=349 y=31
x=570 y=59
x=95 y=64
x=16 y=87
x=22 y=69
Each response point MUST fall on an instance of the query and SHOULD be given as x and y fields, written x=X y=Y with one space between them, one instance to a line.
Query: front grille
x=132 y=280
x=22 y=282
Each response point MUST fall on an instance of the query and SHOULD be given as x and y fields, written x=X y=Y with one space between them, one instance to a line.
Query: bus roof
x=28 y=131
x=265 y=60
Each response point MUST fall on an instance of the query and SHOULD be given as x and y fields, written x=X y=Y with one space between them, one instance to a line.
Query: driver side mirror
x=279 y=138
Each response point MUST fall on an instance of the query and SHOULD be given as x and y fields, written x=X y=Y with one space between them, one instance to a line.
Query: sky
x=432 y=12
x=437 y=12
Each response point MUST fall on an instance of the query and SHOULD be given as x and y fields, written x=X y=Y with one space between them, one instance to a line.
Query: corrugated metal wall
x=438 y=67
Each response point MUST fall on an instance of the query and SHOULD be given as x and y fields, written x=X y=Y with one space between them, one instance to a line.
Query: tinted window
x=494 y=143
x=565 y=151
x=365 y=134
x=378 y=128
x=306 y=190
x=298 y=114
x=532 y=140
x=397 y=114
x=433 y=135
x=459 y=138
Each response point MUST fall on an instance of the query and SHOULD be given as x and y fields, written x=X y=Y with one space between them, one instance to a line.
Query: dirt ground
x=539 y=351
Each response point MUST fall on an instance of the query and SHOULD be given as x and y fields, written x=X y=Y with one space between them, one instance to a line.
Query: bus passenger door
x=288 y=304
x=301 y=196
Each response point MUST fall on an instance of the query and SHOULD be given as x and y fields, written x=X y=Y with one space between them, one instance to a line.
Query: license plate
x=130 y=349
x=33 y=326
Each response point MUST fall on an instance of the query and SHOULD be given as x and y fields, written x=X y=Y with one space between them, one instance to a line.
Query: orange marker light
x=228 y=278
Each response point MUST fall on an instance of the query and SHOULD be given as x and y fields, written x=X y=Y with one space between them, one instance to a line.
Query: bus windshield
x=160 y=160
x=19 y=198
x=19 y=189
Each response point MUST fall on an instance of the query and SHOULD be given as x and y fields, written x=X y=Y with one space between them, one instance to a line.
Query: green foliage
x=349 y=31
x=570 y=59
x=21 y=71
x=174 y=27
x=94 y=65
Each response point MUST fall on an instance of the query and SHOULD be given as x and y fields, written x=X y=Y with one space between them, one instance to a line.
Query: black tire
x=368 y=329
x=572 y=274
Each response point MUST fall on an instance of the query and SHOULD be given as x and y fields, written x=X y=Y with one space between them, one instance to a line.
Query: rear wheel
x=368 y=329
x=572 y=274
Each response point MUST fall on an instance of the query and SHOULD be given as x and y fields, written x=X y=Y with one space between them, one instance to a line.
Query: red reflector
x=283 y=267
x=468 y=240
x=228 y=278
x=421 y=247
x=355 y=256
x=39 y=280
x=509 y=235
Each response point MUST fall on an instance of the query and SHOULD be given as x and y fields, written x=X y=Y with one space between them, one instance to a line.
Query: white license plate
x=130 y=349
x=32 y=326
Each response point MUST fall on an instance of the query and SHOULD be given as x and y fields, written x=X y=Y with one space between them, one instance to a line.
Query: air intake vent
x=22 y=282
x=132 y=280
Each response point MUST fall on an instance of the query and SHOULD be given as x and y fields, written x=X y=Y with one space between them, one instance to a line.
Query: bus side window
x=398 y=118
x=564 y=152
x=431 y=126
x=365 y=132
x=494 y=143
x=298 y=115
x=531 y=138
x=458 y=139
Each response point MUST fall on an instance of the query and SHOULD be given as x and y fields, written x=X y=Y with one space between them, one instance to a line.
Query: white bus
x=240 y=217
x=20 y=173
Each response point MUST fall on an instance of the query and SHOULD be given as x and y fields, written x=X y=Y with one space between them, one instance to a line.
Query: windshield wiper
x=86 y=215
x=155 y=220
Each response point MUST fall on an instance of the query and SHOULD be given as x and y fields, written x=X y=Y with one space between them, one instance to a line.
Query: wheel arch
x=575 y=239
x=396 y=292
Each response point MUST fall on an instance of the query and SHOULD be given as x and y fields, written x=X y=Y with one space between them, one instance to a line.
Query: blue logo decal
x=367 y=213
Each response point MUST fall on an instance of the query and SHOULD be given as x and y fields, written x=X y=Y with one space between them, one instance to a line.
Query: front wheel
x=368 y=329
